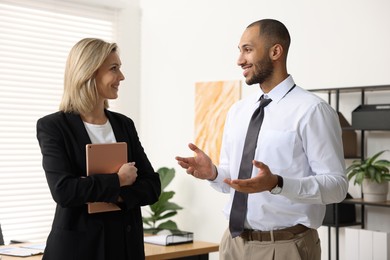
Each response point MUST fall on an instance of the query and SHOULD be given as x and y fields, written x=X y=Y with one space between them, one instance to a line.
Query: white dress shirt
x=300 y=140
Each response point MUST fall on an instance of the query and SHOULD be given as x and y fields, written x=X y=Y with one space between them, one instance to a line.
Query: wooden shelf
x=363 y=202
x=343 y=224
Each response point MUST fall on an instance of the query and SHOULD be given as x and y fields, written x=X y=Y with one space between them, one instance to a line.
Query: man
x=296 y=166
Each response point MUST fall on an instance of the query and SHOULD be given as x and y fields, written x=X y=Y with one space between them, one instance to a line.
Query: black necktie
x=239 y=206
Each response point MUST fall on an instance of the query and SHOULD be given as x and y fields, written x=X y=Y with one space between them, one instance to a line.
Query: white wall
x=129 y=39
x=334 y=44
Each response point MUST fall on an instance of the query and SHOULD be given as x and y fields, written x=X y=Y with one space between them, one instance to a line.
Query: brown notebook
x=105 y=158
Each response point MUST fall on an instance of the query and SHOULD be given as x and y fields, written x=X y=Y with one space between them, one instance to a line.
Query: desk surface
x=154 y=252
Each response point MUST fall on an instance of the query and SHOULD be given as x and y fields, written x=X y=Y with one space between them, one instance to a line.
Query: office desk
x=198 y=250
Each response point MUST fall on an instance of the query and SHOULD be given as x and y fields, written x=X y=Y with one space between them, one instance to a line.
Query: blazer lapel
x=116 y=127
x=78 y=129
x=120 y=131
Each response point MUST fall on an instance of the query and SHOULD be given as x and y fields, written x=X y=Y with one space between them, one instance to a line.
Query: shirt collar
x=280 y=90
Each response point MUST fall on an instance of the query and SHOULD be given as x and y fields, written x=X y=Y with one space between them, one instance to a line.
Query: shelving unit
x=335 y=92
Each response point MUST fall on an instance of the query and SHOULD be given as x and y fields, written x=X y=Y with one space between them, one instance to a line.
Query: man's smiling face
x=254 y=57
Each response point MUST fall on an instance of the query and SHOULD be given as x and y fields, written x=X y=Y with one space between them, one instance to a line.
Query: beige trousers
x=305 y=246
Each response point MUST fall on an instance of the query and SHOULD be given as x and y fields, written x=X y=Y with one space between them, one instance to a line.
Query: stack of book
x=170 y=238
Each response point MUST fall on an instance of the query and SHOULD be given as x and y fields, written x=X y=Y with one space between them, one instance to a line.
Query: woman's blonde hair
x=80 y=93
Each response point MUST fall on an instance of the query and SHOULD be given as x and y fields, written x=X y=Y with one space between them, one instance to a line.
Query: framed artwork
x=212 y=102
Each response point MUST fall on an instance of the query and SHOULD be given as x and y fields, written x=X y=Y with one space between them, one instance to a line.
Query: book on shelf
x=170 y=238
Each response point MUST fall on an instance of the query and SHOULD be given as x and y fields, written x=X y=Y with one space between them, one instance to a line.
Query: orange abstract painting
x=212 y=102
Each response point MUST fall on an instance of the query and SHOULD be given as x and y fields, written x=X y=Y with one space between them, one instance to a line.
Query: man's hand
x=263 y=181
x=199 y=166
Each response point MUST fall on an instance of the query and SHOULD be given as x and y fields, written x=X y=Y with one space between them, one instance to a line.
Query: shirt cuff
x=290 y=186
x=219 y=177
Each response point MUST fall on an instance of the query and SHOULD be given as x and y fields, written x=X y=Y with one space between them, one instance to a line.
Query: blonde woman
x=92 y=77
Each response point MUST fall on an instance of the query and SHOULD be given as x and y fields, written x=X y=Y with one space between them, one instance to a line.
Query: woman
x=92 y=76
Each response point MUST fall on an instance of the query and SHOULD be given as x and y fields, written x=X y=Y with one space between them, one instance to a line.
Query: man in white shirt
x=298 y=165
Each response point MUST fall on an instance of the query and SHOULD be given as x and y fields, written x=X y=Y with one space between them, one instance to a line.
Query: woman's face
x=108 y=77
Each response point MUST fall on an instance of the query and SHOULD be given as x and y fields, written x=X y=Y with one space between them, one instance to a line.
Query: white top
x=300 y=140
x=100 y=134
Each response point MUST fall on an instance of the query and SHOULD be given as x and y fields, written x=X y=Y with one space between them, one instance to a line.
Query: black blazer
x=75 y=234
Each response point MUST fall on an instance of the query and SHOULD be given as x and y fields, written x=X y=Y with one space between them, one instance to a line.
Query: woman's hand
x=127 y=174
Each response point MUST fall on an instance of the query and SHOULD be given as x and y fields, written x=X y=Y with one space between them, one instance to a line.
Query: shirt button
x=128 y=228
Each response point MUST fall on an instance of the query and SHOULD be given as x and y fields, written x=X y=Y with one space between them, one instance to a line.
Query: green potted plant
x=373 y=175
x=163 y=209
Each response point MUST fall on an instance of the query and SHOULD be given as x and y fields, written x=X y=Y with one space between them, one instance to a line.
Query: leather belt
x=281 y=234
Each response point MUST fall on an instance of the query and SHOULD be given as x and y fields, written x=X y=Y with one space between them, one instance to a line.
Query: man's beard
x=263 y=70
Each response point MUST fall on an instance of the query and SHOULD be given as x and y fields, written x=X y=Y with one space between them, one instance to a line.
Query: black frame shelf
x=352 y=89
x=335 y=93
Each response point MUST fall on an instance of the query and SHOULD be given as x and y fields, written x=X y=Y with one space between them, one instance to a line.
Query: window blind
x=35 y=39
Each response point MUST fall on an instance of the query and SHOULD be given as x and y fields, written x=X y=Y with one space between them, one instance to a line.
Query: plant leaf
x=373 y=158
x=353 y=172
x=383 y=163
x=359 y=177
x=167 y=215
x=166 y=176
x=167 y=206
x=371 y=172
x=146 y=222
x=151 y=230
x=170 y=225
x=164 y=197
x=172 y=206
x=369 y=168
x=163 y=208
